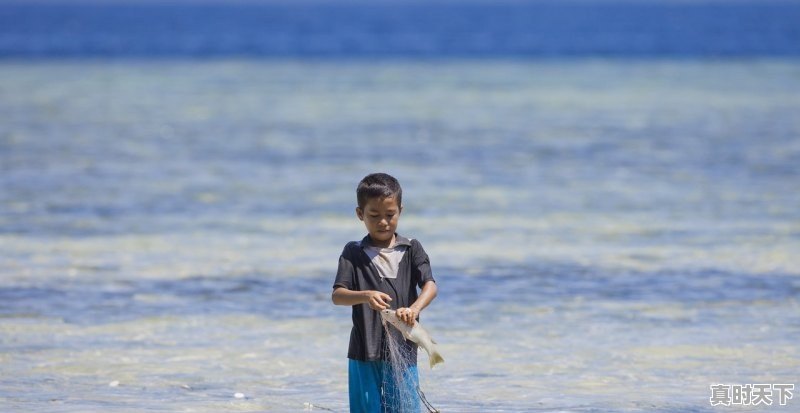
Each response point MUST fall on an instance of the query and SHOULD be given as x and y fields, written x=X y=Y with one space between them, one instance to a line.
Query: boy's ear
x=360 y=213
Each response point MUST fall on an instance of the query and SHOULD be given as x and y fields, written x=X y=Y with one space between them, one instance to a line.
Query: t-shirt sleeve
x=346 y=273
x=421 y=266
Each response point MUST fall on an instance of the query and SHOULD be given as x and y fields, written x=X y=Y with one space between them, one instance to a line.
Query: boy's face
x=380 y=216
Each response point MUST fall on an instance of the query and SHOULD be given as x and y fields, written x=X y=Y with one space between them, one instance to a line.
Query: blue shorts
x=373 y=389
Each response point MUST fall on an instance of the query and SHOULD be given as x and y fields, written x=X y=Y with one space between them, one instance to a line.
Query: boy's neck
x=382 y=244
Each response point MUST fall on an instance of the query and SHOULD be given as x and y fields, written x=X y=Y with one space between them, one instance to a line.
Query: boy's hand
x=408 y=315
x=378 y=301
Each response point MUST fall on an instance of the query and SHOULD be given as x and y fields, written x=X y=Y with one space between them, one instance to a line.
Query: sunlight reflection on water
x=607 y=236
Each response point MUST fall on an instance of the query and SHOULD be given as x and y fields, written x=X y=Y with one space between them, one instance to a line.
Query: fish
x=415 y=333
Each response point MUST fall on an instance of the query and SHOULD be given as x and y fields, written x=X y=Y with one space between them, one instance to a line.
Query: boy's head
x=378 y=185
x=379 y=205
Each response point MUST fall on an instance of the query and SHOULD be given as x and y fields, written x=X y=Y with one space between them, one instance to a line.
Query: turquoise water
x=608 y=235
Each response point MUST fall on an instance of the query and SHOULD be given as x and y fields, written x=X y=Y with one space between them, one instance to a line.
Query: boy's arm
x=376 y=299
x=343 y=295
x=429 y=292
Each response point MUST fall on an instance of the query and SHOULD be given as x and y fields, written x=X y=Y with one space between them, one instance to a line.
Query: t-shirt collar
x=398 y=240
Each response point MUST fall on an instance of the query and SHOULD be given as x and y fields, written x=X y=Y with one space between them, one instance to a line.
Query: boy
x=381 y=271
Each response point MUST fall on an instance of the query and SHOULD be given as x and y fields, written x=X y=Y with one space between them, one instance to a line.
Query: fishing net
x=400 y=386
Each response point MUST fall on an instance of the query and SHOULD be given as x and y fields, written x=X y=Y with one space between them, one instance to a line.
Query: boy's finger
x=406 y=317
x=404 y=314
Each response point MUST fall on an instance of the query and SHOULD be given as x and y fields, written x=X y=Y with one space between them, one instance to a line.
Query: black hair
x=378 y=185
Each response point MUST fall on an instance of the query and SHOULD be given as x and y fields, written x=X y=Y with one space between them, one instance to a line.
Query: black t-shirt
x=358 y=273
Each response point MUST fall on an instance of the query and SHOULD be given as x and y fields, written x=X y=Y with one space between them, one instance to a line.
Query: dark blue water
x=395 y=29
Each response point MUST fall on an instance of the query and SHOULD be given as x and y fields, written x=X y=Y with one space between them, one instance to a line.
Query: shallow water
x=606 y=235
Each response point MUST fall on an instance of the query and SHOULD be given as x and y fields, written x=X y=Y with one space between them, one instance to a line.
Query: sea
x=608 y=190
